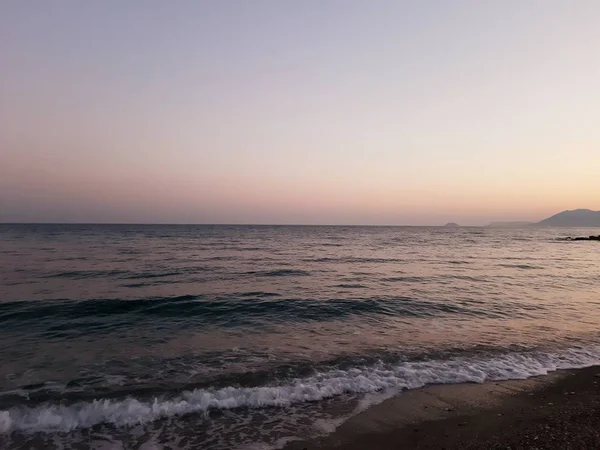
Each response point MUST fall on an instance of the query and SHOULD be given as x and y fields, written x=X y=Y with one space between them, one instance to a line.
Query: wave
x=356 y=260
x=83 y=274
x=53 y=316
x=279 y=273
x=146 y=283
x=259 y=294
x=519 y=266
x=150 y=275
x=126 y=275
x=359 y=380
x=405 y=279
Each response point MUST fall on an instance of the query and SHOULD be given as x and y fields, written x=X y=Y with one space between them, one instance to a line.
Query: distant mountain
x=452 y=225
x=575 y=218
x=512 y=224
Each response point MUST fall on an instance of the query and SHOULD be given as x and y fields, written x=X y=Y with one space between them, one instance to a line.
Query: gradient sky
x=340 y=111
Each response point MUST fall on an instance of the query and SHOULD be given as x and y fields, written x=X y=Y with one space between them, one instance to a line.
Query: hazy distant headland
x=569 y=218
x=574 y=218
x=510 y=224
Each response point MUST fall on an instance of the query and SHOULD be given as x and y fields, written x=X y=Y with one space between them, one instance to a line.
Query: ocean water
x=246 y=337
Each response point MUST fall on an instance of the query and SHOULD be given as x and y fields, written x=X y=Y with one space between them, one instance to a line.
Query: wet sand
x=557 y=411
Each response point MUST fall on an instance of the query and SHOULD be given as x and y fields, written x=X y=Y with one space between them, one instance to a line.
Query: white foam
x=5 y=421
x=277 y=445
x=373 y=398
x=327 y=426
x=365 y=380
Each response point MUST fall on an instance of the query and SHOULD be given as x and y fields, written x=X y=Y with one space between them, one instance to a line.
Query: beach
x=557 y=411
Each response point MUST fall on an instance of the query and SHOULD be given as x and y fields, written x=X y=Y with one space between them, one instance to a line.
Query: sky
x=298 y=112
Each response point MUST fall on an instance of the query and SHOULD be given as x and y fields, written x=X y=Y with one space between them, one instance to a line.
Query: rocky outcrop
x=589 y=238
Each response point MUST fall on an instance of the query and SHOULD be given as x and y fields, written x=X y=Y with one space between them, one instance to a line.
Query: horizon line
x=526 y=223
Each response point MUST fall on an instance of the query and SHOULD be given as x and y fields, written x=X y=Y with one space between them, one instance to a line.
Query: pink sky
x=277 y=112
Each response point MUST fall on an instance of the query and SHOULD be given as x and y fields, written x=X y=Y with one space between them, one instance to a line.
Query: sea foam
x=360 y=380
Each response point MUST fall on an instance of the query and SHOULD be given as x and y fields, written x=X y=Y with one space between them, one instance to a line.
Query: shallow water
x=245 y=336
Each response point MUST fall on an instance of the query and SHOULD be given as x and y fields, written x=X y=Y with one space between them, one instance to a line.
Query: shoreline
x=560 y=410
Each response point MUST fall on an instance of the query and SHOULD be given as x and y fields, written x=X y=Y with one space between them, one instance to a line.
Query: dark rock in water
x=589 y=238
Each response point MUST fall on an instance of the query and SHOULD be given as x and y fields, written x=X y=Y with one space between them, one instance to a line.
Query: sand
x=557 y=411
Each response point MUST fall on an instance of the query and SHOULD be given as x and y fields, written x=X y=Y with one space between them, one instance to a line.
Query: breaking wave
x=360 y=380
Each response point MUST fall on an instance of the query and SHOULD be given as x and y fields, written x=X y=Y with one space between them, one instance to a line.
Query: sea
x=249 y=337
